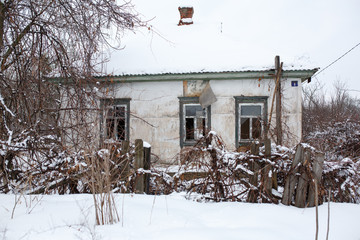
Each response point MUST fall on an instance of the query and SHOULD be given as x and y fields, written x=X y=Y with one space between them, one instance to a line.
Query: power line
x=337 y=59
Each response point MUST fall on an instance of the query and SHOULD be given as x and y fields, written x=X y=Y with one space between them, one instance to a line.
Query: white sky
x=246 y=34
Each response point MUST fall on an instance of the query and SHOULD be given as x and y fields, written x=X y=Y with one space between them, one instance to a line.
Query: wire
x=337 y=59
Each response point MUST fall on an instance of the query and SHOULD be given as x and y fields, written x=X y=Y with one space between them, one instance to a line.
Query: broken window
x=195 y=126
x=194 y=120
x=251 y=119
x=115 y=122
x=115 y=119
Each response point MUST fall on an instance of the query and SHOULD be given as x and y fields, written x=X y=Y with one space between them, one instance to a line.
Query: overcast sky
x=336 y=28
x=233 y=34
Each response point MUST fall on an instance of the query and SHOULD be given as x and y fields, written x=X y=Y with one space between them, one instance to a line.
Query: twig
x=122 y=211
x=17 y=200
x=152 y=208
x=328 y=221
x=317 y=210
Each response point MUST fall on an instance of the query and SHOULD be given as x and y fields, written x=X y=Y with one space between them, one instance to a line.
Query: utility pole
x=278 y=69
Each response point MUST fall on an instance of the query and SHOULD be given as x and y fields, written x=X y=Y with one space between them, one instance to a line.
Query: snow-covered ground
x=170 y=217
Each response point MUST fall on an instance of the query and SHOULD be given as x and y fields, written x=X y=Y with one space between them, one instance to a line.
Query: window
x=194 y=120
x=115 y=119
x=251 y=119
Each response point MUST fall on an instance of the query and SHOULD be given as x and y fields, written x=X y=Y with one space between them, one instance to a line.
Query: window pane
x=189 y=128
x=256 y=128
x=194 y=110
x=200 y=114
x=251 y=110
x=245 y=128
x=120 y=111
x=110 y=128
x=110 y=112
x=120 y=134
x=200 y=125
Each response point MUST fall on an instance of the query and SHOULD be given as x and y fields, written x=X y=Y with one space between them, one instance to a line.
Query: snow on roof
x=227 y=35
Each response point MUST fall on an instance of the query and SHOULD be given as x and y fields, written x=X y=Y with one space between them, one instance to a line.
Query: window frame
x=186 y=101
x=105 y=104
x=250 y=101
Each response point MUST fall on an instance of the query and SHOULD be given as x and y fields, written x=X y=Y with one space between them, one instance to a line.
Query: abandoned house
x=187 y=74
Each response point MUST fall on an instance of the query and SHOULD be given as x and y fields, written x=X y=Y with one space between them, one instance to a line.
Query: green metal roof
x=303 y=74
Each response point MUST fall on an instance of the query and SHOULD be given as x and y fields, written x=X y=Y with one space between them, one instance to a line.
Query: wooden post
x=254 y=167
x=253 y=193
x=267 y=178
x=147 y=160
x=254 y=148
x=139 y=163
x=292 y=178
x=277 y=86
x=317 y=168
x=278 y=101
x=267 y=143
x=302 y=186
x=126 y=163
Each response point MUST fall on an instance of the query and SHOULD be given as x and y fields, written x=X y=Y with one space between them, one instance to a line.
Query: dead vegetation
x=332 y=125
x=208 y=172
x=226 y=176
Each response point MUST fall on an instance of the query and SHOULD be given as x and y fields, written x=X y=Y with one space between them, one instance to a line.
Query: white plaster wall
x=223 y=111
x=154 y=110
x=223 y=119
x=292 y=111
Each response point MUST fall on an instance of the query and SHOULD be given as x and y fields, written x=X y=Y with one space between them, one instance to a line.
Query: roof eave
x=304 y=75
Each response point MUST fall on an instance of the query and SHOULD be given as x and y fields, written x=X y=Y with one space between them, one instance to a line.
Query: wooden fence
x=304 y=177
x=142 y=161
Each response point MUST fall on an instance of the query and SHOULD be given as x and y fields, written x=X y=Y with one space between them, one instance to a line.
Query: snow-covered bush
x=222 y=175
x=55 y=170
x=343 y=179
x=338 y=141
x=210 y=172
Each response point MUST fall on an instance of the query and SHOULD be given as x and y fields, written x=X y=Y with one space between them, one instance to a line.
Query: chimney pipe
x=186 y=14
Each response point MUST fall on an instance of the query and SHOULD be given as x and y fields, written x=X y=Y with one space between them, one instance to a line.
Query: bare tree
x=331 y=123
x=321 y=110
x=50 y=49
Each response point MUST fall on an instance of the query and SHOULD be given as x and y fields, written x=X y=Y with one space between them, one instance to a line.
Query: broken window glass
x=256 y=128
x=195 y=121
x=245 y=128
x=189 y=128
x=120 y=134
x=115 y=122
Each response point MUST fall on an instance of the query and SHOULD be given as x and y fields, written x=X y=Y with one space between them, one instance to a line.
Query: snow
x=185 y=6
x=170 y=217
x=187 y=20
x=4 y=106
x=226 y=36
x=146 y=144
